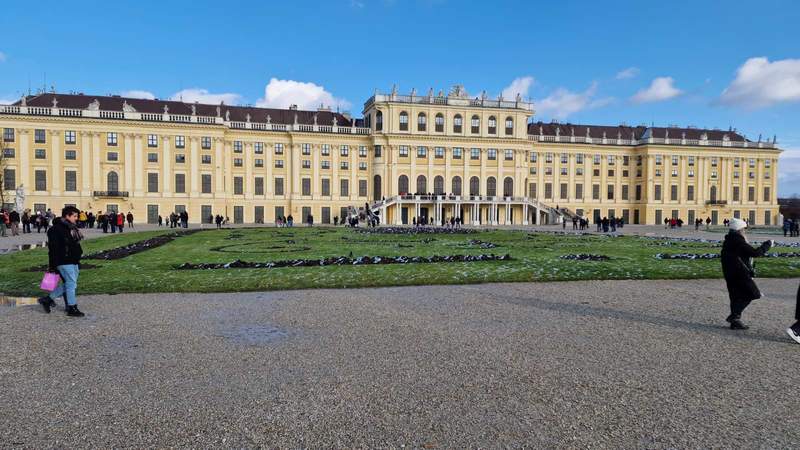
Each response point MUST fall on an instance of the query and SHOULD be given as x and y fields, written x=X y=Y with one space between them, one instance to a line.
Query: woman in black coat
x=794 y=330
x=737 y=267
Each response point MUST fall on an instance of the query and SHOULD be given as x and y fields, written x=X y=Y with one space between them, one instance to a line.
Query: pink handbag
x=49 y=281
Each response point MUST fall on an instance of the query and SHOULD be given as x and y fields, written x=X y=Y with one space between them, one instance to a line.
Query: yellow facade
x=155 y=164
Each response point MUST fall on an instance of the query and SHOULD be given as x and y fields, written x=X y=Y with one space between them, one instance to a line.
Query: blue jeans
x=69 y=276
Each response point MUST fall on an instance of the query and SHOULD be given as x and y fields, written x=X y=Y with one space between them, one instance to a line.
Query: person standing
x=5 y=222
x=26 y=221
x=737 y=267
x=64 y=254
x=112 y=220
x=120 y=218
x=14 y=220
x=130 y=220
x=103 y=218
x=794 y=330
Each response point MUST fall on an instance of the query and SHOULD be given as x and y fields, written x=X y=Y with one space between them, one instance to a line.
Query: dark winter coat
x=738 y=268
x=62 y=246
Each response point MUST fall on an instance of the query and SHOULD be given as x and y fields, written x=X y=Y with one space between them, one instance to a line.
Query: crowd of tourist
x=791 y=227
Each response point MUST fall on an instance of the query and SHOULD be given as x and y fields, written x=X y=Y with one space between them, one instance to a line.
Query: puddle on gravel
x=253 y=334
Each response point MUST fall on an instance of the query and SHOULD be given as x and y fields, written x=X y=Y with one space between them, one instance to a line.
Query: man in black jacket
x=64 y=248
x=794 y=330
x=738 y=270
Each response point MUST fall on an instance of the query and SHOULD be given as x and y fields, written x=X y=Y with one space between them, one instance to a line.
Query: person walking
x=26 y=221
x=160 y=220
x=737 y=267
x=64 y=257
x=794 y=330
x=130 y=220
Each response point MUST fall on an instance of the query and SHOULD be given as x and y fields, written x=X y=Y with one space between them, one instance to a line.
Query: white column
x=194 y=167
x=86 y=160
x=127 y=184
x=219 y=164
x=167 y=173
x=248 y=170
x=24 y=159
x=138 y=165
x=94 y=165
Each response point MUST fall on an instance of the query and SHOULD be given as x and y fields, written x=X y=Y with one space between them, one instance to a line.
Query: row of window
x=659 y=160
x=658 y=172
x=455 y=186
x=439 y=123
x=657 y=192
x=457 y=153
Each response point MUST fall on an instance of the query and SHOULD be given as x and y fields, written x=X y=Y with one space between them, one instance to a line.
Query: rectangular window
x=40 y=153
x=579 y=171
x=492 y=154
x=180 y=158
x=579 y=191
x=659 y=160
x=180 y=183
x=674 y=172
x=658 y=172
x=767 y=163
x=362 y=165
x=675 y=160
x=439 y=122
x=422 y=152
x=306 y=149
x=492 y=123
x=344 y=187
x=378 y=150
x=766 y=194
x=532 y=190
x=626 y=160
x=751 y=193
x=475 y=153
x=690 y=193
x=533 y=156
x=326 y=187
x=548 y=158
x=638 y=192
x=714 y=161
x=306 y=164
x=403 y=151
x=237 y=146
x=673 y=192
x=325 y=164
x=735 y=174
x=736 y=193
x=564 y=191
x=238 y=185
x=70 y=155
x=475 y=125
x=610 y=172
x=610 y=192
x=690 y=173
x=438 y=152
x=344 y=165
x=533 y=170
x=344 y=150
x=69 y=137
x=625 y=174
x=39 y=136
x=152 y=157
x=610 y=159
x=752 y=163
x=111 y=139
x=278 y=186
x=457 y=152
x=278 y=149
x=152 y=140
x=258 y=162
x=713 y=174
x=458 y=123
x=564 y=158
x=238 y=162
x=205 y=142
x=564 y=171
x=180 y=142
x=403 y=122
x=548 y=170
x=596 y=159
x=305 y=184
x=152 y=182
x=70 y=181
x=579 y=158
x=40 y=180
x=205 y=183
x=258 y=148
x=279 y=164
x=657 y=192
x=595 y=192
x=9 y=179
x=548 y=190
x=362 y=188
x=206 y=159
x=690 y=161
x=625 y=192
x=509 y=155
x=112 y=156
x=362 y=151
x=325 y=149
x=8 y=153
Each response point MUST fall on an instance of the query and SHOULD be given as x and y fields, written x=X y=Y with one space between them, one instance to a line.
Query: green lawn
x=535 y=258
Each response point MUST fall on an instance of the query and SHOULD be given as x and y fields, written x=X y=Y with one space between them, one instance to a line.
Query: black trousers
x=797 y=306
x=737 y=307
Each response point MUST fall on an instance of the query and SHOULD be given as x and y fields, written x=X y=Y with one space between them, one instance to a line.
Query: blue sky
x=711 y=64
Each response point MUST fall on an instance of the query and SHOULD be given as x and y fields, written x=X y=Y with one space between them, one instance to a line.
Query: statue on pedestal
x=19 y=199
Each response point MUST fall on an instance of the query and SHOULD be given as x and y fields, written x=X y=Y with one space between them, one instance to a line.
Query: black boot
x=73 y=311
x=737 y=324
x=46 y=303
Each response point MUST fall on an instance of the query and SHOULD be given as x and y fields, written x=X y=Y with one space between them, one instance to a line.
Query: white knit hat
x=737 y=224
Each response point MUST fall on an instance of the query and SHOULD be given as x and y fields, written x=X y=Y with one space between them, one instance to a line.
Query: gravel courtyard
x=634 y=364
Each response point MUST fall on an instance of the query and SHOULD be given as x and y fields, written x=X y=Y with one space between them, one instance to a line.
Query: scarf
x=74 y=231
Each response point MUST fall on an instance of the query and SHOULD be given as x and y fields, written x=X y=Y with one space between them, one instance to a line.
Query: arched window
x=439 y=122
x=402 y=185
x=491 y=187
x=474 y=186
x=403 y=121
x=476 y=124
x=378 y=121
x=509 y=126
x=422 y=122
x=458 y=123
x=422 y=184
x=438 y=185
x=456 y=188
x=492 y=125
x=376 y=187
x=713 y=194
x=112 y=182
x=508 y=187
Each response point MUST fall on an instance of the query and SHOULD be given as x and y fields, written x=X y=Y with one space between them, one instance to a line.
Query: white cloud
x=7 y=101
x=147 y=95
x=789 y=173
x=761 y=83
x=283 y=93
x=192 y=95
x=356 y=4
x=562 y=102
x=661 y=88
x=630 y=72
x=3 y=57
x=519 y=86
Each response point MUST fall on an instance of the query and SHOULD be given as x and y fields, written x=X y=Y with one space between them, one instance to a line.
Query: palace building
x=440 y=156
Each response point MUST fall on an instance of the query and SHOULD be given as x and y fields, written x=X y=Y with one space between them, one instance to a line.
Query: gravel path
x=611 y=364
